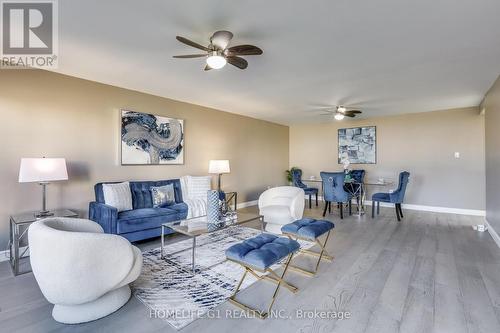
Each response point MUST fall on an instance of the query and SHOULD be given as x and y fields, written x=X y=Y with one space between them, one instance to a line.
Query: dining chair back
x=297 y=182
x=396 y=197
x=399 y=194
x=333 y=190
x=297 y=178
x=358 y=175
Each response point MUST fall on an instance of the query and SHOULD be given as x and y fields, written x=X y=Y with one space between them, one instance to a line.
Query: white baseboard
x=435 y=209
x=4 y=255
x=248 y=204
x=492 y=232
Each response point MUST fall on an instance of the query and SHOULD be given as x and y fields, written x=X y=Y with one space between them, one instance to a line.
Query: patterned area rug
x=172 y=292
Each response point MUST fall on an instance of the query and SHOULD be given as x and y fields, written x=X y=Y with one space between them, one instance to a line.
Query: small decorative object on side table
x=19 y=224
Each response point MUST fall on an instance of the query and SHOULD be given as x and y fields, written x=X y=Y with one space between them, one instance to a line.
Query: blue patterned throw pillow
x=163 y=195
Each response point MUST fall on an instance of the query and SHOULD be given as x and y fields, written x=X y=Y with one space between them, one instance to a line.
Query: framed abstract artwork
x=358 y=145
x=147 y=139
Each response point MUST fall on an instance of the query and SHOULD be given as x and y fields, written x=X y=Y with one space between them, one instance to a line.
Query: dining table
x=355 y=188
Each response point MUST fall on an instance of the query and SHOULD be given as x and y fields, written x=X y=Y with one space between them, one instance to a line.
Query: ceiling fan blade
x=324 y=110
x=354 y=111
x=207 y=68
x=244 y=50
x=238 y=62
x=190 y=56
x=191 y=43
x=349 y=115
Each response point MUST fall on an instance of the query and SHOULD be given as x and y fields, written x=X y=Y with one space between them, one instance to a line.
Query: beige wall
x=491 y=105
x=47 y=114
x=423 y=144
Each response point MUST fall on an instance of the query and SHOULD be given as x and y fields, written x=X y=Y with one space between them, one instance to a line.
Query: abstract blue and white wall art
x=149 y=139
x=358 y=145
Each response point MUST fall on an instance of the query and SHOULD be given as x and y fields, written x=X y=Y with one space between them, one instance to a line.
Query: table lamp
x=218 y=167
x=42 y=171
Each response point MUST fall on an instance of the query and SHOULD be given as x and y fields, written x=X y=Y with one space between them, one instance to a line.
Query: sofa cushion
x=118 y=196
x=262 y=251
x=144 y=218
x=141 y=192
x=181 y=209
x=163 y=196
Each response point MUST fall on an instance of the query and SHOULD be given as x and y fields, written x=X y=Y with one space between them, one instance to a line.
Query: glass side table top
x=198 y=225
x=29 y=217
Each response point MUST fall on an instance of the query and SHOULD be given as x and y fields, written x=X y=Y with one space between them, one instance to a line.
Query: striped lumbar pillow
x=118 y=195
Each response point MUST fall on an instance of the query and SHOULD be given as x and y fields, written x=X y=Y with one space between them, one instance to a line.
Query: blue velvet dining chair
x=358 y=175
x=333 y=191
x=297 y=182
x=357 y=186
x=395 y=197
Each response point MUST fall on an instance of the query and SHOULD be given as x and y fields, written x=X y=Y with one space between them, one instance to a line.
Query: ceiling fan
x=218 y=54
x=341 y=111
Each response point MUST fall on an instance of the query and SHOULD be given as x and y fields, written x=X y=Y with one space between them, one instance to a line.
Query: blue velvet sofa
x=143 y=221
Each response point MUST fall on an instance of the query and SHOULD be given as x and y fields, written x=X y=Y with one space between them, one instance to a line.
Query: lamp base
x=45 y=213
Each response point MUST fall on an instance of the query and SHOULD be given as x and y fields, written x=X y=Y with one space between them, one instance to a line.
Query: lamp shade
x=218 y=166
x=42 y=170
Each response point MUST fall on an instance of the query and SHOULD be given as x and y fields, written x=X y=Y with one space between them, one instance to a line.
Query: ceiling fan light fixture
x=338 y=116
x=215 y=60
x=221 y=39
x=220 y=42
x=341 y=109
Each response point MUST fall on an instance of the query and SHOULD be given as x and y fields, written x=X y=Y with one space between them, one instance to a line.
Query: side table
x=19 y=224
x=232 y=196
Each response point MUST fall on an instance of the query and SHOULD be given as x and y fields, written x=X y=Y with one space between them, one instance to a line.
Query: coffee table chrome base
x=193 y=249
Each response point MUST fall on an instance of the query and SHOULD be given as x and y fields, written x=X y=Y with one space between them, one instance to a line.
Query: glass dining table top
x=353 y=181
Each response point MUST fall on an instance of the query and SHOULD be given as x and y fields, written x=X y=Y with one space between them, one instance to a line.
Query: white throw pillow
x=197 y=187
x=118 y=195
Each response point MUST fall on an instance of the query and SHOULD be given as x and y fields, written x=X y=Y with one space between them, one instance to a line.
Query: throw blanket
x=194 y=194
x=196 y=207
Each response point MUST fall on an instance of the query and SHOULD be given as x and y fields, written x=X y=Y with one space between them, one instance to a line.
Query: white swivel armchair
x=82 y=271
x=281 y=205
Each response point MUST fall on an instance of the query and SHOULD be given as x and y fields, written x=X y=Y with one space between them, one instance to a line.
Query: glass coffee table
x=198 y=226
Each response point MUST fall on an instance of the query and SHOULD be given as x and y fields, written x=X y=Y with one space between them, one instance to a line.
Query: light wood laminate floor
x=429 y=273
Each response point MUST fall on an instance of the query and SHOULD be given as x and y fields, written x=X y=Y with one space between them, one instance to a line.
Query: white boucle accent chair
x=82 y=271
x=281 y=205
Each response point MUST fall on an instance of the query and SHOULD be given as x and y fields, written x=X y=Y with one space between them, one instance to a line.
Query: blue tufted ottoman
x=259 y=254
x=311 y=230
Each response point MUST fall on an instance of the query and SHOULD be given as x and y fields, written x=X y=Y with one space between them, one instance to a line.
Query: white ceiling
x=385 y=57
